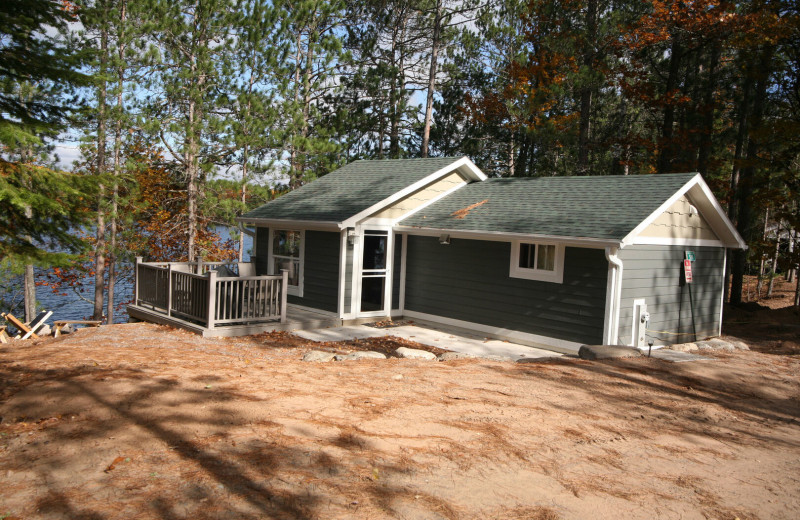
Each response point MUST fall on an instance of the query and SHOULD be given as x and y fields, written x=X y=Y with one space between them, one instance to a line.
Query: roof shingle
x=349 y=190
x=602 y=207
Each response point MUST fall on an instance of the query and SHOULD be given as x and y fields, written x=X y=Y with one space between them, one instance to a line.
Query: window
x=537 y=261
x=287 y=253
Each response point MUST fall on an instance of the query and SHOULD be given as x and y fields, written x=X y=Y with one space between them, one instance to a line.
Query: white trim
x=471 y=171
x=610 y=292
x=387 y=288
x=342 y=271
x=355 y=272
x=403 y=272
x=634 y=319
x=293 y=224
x=524 y=338
x=720 y=218
x=502 y=236
x=722 y=291
x=662 y=241
x=613 y=297
x=556 y=276
x=291 y=289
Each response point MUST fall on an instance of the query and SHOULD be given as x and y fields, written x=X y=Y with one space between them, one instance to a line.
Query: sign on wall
x=690 y=256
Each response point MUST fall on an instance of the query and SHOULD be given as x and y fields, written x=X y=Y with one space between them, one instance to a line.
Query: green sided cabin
x=549 y=261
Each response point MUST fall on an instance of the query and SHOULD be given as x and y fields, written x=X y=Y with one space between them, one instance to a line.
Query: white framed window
x=286 y=251
x=543 y=261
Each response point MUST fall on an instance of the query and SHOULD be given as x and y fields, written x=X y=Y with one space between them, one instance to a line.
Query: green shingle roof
x=349 y=190
x=601 y=207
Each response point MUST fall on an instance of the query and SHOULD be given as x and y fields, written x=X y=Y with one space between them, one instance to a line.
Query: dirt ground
x=141 y=421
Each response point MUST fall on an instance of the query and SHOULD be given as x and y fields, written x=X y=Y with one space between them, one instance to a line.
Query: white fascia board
x=719 y=222
x=502 y=236
x=465 y=165
x=291 y=224
x=660 y=241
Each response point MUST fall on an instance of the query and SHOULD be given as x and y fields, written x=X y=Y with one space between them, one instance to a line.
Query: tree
x=38 y=72
x=188 y=75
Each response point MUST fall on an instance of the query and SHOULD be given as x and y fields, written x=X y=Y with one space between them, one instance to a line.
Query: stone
x=594 y=352
x=715 y=344
x=683 y=347
x=412 y=353
x=318 y=356
x=44 y=330
x=451 y=356
x=359 y=355
x=739 y=345
x=397 y=377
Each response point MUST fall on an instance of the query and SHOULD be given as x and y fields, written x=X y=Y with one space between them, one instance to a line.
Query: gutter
x=305 y=224
x=504 y=236
x=613 y=297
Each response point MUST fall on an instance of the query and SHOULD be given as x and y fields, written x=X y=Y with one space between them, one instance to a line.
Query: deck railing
x=195 y=292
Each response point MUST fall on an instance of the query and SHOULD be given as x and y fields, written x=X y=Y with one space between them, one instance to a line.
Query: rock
x=683 y=347
x=738 y=344
x=318 y=356
x=594 y=352
x=397 y=377
x=715 y=344
x=44 y=330
x=359 y=355
x=494 y=357
x=450 y=356
x=412 y=353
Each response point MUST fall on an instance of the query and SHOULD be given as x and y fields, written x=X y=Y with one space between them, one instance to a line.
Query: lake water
x=72 y=307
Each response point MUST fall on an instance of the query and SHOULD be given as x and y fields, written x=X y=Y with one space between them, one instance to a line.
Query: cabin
x=554 y=262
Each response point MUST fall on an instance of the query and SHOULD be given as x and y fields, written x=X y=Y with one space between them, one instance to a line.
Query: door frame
x=358 y=264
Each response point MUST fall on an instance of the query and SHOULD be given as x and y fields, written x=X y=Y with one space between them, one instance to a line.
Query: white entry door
x=374 y=270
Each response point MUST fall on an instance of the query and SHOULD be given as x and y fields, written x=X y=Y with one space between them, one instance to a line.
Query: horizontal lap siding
x=469 y=280
x=320 y=271
x=654 y=273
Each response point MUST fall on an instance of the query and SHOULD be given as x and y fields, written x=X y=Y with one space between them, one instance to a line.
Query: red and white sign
x=687 y=270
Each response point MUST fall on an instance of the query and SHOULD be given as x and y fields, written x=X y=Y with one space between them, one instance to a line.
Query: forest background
x=190 y=112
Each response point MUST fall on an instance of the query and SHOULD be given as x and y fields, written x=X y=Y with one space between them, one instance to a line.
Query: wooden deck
x=296 y=318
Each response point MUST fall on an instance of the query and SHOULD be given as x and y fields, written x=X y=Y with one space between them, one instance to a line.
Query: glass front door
x=373 y=271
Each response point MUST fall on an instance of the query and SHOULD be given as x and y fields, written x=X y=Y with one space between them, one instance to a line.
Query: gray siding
x=654 y=273
x=396 y=264
x=348 y=278
x=262 y=251
x=469 y=280
x=320 y=271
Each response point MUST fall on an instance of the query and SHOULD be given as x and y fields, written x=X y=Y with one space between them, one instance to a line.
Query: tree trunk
x=771 y=285
x=704 y=153
x=666 y=148
x=437 y=30
x=587 y=90
x=747 y=174
x=100 y=244
x=112 y=247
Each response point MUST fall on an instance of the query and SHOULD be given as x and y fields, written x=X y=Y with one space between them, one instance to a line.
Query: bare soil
x=142 y=421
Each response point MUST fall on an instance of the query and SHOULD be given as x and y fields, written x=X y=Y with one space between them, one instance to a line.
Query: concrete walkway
x=435 y=336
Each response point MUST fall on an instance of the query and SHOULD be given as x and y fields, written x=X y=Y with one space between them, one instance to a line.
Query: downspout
x=614 y=293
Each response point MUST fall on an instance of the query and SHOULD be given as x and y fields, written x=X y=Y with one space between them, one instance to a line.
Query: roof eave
x=504 y=235
x=304 y=224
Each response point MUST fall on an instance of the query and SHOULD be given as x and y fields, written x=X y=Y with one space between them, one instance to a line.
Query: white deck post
x=212 y=297
x=284 y=290
x=169 y=289
x=136 y=280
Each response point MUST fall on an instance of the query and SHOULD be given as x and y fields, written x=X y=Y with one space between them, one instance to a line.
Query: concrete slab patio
x=435 y=336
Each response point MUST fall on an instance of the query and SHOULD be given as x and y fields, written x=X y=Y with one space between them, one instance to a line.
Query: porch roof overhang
x=502 y=236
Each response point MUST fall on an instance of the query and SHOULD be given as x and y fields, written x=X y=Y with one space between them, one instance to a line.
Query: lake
x=72 y=307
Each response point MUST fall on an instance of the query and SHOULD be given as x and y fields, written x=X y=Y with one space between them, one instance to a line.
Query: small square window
x=535 y=261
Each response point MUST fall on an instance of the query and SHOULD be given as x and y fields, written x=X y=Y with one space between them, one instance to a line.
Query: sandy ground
x=141 y=421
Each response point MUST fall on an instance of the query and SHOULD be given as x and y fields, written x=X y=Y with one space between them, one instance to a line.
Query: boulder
x=683 y=347
x=450 y=356
x=715 y=344
x=359 y=355
x=318 y=356
x=412 y=353
x=594 y=352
